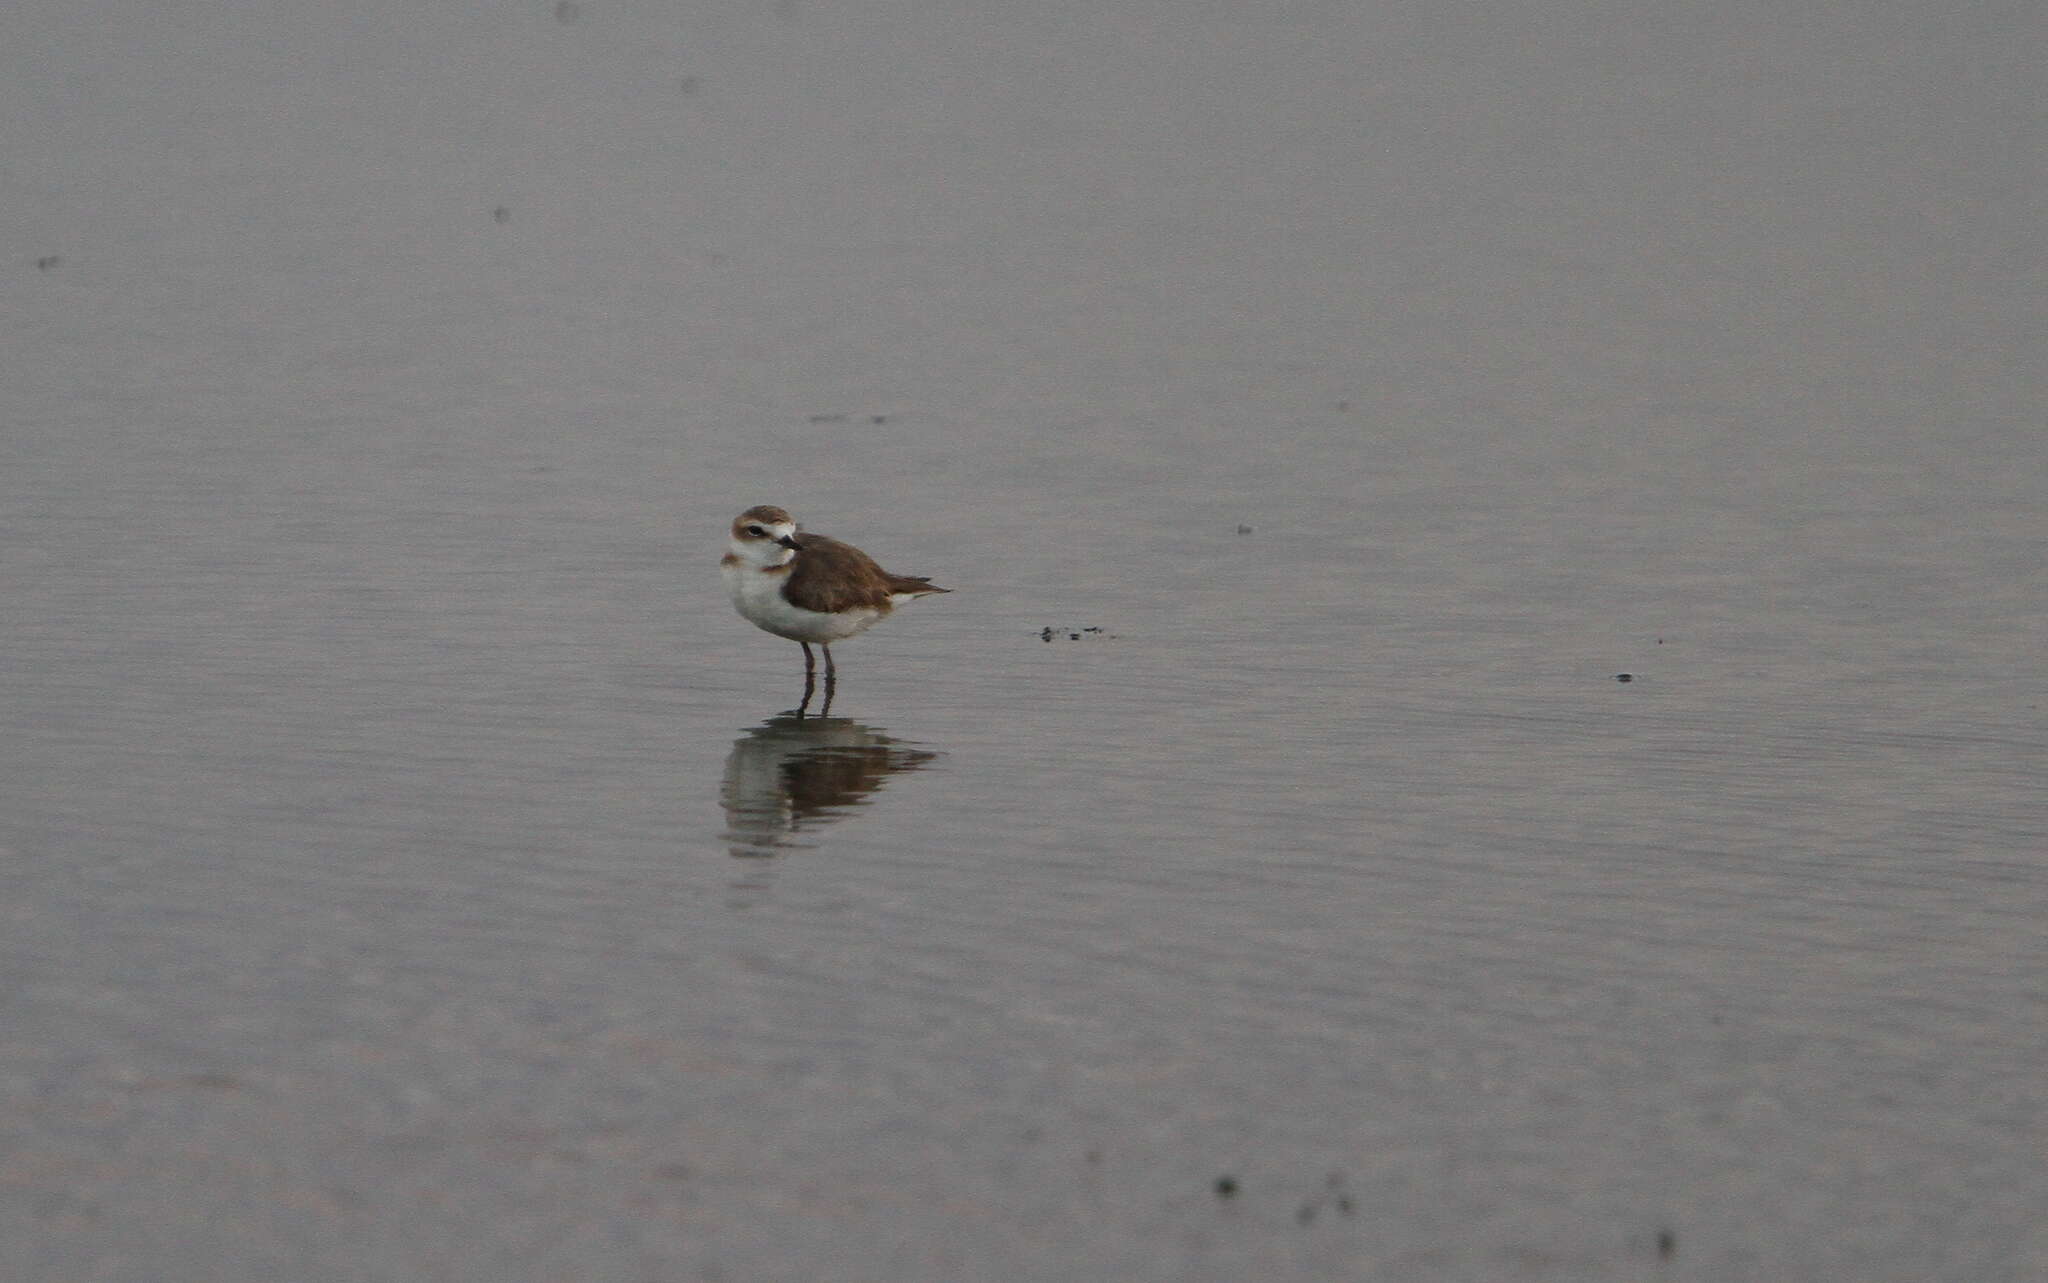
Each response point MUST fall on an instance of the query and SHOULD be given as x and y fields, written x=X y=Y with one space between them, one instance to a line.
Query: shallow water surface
x=1255 y=868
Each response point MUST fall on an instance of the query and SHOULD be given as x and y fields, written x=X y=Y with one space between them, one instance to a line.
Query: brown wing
x=831 y=576
x=913 y=584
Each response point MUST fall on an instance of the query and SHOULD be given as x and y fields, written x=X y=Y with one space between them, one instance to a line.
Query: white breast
x=757 y=595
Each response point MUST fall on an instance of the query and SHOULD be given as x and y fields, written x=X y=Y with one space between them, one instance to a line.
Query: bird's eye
x=756 y=530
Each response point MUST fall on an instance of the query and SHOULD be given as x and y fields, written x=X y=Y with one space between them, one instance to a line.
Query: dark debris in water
x=1333 y=1196
x=1051 y=633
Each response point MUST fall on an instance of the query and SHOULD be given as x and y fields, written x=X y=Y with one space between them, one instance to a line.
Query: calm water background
x=407 y=876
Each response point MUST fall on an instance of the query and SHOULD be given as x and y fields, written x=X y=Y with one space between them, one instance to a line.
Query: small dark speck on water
x=1624 y=677
x=1332 y=1194
x=689 y=84
x=1667 y=1244
x=1226 y=1187
x=878 y=418
x=501 y=215
x=47 y=261
x=1244 y=530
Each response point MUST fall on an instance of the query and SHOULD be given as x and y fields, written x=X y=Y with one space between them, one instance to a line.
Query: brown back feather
x=913 y=584
x=827 y=575
x=830 y=576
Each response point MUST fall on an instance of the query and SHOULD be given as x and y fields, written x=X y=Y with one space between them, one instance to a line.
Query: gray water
x=411 y=873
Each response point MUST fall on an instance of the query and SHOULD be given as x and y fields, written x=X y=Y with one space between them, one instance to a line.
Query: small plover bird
x=809 y=588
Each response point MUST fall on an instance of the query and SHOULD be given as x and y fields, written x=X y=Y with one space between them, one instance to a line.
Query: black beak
x=789 y=541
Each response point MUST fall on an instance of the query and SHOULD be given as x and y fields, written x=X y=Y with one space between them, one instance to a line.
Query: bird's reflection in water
x=792 y=775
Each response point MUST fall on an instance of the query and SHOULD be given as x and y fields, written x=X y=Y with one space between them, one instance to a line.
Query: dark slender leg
x=810 y=680
x=831 y=679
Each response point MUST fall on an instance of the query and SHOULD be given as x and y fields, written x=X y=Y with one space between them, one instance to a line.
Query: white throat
x=761 y=553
